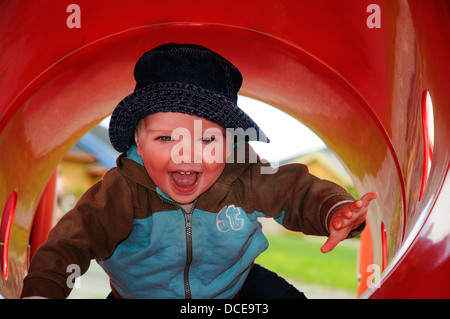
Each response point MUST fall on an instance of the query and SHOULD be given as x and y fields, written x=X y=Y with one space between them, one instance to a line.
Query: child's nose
x=197 y=154
x=192 y=153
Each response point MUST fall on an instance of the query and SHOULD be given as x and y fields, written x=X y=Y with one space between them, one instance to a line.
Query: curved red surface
x=5 y=232
x=358 y=88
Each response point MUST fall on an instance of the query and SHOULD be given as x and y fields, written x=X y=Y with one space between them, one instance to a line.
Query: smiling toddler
x=176 y=218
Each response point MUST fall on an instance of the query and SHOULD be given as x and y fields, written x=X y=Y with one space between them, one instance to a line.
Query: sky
x=281 y=128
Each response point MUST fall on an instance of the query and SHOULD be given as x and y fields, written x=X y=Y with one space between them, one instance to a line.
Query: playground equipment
x=371 y=78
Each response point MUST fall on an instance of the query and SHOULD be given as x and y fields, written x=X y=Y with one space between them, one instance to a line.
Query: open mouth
x=184 y=181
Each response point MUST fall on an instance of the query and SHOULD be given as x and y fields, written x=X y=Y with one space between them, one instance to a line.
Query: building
x=84 y=165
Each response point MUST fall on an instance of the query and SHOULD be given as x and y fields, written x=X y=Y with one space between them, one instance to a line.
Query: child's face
x=183 y=154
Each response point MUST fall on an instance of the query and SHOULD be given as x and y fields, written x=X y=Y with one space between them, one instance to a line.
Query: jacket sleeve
x=297 y=199
x=102 y=217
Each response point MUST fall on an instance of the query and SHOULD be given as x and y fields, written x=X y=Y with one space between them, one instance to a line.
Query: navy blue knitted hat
x=181 y=78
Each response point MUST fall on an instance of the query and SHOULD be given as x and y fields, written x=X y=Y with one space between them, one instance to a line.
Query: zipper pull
x=188 y=218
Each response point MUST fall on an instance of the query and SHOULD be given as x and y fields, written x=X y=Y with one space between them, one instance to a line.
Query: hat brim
x=182 y=98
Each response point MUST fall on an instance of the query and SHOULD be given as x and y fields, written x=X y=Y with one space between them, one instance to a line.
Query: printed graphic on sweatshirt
x=230 y=217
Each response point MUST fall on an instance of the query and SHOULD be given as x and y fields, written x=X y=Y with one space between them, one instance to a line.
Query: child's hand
x=346 y=219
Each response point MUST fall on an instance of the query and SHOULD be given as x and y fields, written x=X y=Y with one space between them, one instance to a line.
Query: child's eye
x=164 y=138
x=208 y=139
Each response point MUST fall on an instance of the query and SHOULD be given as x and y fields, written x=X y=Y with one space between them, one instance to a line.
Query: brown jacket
x=107 y=220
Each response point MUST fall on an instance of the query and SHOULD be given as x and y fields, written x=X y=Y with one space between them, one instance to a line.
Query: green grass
x=298 y=258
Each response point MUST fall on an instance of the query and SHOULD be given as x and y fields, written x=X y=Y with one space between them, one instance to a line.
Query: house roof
x=96 y=142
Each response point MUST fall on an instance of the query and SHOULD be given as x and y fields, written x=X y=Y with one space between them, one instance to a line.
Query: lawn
x=298 y=258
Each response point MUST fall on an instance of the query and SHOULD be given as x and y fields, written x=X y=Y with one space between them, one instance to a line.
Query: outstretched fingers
x=330 y=244
x=366 y=199
x=346 y=219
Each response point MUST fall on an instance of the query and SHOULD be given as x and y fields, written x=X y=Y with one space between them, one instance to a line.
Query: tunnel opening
x=294 y=143
x=291 y=82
